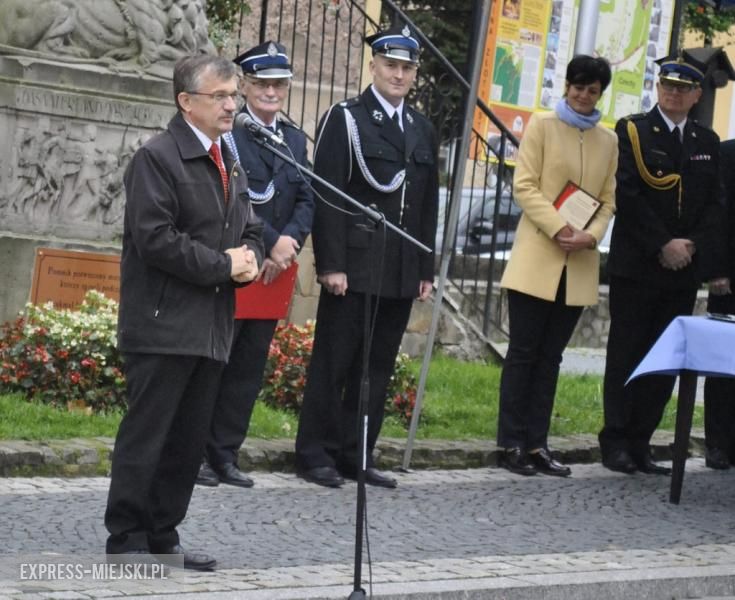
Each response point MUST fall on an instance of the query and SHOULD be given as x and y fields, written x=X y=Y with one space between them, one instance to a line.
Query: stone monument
x=83 y=83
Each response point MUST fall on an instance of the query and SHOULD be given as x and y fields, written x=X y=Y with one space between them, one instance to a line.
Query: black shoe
x=207 y=476
x=716 y=458
x=196 y=562
x=645 y=464
x=620 y=461
x=548 y=466
x=372 y=477
x=230 y=474
x=326 y=476
x=516 y=461
x=375 y=477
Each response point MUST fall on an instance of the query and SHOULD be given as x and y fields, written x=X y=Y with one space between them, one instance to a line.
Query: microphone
x=245 y=120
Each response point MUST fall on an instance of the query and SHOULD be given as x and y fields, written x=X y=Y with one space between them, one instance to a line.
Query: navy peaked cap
x=266 y=61
x=398 y=42
x=681 y=69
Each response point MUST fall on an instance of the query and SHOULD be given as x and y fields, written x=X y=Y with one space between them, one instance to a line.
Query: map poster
x=530 y=42
x=512 y=66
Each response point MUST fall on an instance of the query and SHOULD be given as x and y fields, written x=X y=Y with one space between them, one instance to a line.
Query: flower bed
x=69 y=359
x=64 y=358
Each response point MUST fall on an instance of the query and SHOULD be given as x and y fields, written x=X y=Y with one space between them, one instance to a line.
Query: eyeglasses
x=264 y=84
x=220 y=97
x=676 y=87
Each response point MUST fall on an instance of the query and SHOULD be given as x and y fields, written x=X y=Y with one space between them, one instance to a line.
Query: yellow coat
x=551 y=154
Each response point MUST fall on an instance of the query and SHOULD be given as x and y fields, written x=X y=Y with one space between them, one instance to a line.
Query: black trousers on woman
x=539 y=332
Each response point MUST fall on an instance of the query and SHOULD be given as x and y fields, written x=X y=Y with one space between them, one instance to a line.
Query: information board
x=530 y=42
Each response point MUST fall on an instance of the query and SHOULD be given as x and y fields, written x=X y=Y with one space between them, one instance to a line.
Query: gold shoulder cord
x=666 y=182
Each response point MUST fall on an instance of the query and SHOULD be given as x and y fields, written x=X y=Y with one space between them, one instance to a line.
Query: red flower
x=89 y=363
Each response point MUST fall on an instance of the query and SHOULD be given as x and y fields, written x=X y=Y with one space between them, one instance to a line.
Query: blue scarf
x=571 y=117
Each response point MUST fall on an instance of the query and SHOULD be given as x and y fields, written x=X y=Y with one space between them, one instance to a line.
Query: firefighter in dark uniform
x=383 y=153
x=663 y=242
x=283 y=200
x=719 y=392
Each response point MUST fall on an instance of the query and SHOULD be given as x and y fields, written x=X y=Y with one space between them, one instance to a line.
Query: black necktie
x=397 y=120
x=676 y=144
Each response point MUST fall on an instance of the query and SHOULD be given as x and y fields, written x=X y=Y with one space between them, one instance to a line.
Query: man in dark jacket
x=189 y=236
x=381 y=152
x=662 y=247
x=283 y=200
x=719 y=392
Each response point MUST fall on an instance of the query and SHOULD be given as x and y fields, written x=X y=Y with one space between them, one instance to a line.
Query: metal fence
x=325 y=40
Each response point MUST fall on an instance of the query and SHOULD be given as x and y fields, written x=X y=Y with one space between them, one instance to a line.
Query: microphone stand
x=376 y=218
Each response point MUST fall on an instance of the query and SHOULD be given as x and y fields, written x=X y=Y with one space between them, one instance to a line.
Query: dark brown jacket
x=176 y=294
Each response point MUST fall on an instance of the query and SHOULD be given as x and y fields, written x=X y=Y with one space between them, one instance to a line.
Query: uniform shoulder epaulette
x=701 y=125
x=350 y=102
x=636 y=116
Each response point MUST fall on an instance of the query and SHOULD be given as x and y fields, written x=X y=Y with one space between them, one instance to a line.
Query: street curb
x=91 y=456
x=670 y=583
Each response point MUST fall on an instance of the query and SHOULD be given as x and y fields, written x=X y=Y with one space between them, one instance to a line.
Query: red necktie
x=217 y=158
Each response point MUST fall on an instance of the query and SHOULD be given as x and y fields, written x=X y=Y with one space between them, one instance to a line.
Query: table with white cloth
x=689 y=347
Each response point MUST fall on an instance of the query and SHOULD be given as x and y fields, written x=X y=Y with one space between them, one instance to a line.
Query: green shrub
x=402 y=390
x=69 y=359
x=64 y=358
x=285 y=370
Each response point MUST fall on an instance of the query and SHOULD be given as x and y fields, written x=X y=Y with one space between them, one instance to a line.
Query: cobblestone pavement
x=480 y=533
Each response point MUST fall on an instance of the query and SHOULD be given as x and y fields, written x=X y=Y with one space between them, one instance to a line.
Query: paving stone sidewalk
x=478 y=533
x=455 y=528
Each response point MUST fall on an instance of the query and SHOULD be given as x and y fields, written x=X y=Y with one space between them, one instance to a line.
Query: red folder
x=260 y=301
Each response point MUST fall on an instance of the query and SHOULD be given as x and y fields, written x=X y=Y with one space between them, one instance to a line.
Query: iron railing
x=325 y=41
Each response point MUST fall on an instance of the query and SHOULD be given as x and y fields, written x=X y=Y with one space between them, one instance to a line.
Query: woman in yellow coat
x=553 y=268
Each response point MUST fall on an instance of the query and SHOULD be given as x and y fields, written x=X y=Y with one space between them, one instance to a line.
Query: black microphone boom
x=245 y=120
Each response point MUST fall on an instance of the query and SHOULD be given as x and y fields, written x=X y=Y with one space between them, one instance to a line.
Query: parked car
x=479 y=221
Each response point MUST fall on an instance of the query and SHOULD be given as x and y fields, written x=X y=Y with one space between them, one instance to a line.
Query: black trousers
x=719 y=394
x=539 y=332
x=158 y=448
x=328 y=425
x=241 y=382
x=638 y=316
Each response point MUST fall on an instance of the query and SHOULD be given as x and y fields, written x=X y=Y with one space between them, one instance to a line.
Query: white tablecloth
x=699 y=344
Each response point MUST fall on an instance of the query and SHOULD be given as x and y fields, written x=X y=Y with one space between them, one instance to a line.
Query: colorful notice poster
x=514 y=57
x=530 y=42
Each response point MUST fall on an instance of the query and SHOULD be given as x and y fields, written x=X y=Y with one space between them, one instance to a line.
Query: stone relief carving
x=145 y=35
x=65 y=174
